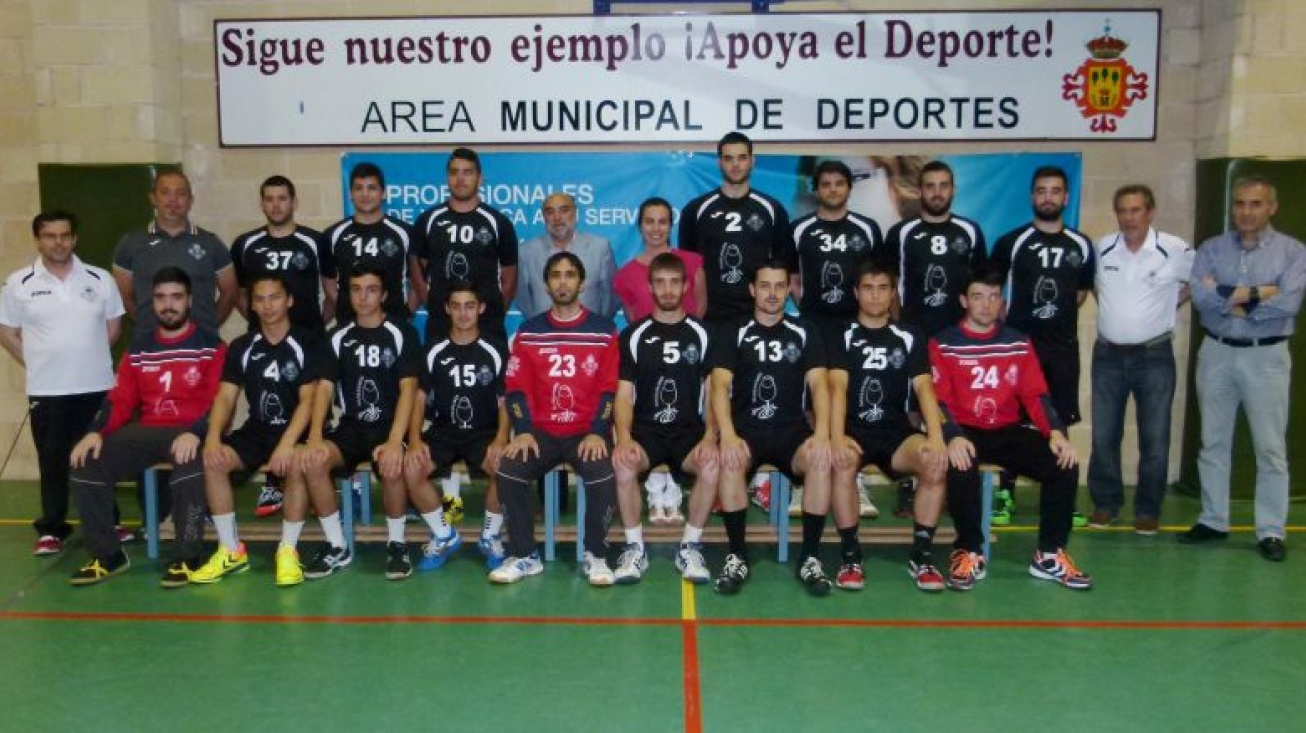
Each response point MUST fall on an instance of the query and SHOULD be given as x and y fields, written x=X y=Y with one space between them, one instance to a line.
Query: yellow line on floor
x=687 y=601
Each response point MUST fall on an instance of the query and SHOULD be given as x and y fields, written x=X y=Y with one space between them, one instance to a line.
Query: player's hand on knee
x=592 y=448
x=521 y=447
x=88 y=447
x=215 y=456
x=493 y=452
x=1063 y=449
x=281 y=461
x=185 y=448
x=961 y=453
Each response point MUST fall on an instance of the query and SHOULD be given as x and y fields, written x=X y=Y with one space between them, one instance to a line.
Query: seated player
x=659 y=418
x=461 y=394
x=166 y=380
x=269 y=364
x=561 y=381
x=766 y=372
x=875 y=368
x=368 y=368
x=984 y=373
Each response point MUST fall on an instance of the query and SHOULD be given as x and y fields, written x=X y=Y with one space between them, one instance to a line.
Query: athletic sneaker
x=1004 y=506
x=965 y=569
x=270 y=498
x=492 y=548
x=733 y=575
x=453 y=508
x=761 y=491
x=596 y=571
x=98 y=571
x=1077 y=519
x=221 y=564
x=906 y=498
x=1057 y=566
x=813 y=577
x=796 y=502
x=438 y=551
x=927 y=577
x=327 y=560
x=514 y=569
x=288 y=570
x=851 y=576
x=179 y=573
x=631 y=566
x=125 y=535
x=865 y=507
x=47 y=544
x=690 y=563
x=397 y=563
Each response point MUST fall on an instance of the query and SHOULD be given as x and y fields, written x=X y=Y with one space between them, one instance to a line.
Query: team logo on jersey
x=290 y=370
x=484 y=375
x=936 y=285
x=461 y=413
x=856 y=243
x=897 y=357
x=985 y=410
x=832 y=283
x=1105 y=85
x=764 y=394
x=731 y=260
x=563 y=404
x=1045 y=298
x=192 y=376
x=368 y=397
x=792 y=353
x=664 y=395
x=456 y=266
x=691 y=354
x=1012 y=376
x=869 y=399
x=484 y=236
x=196 y=250
x=271 y=409
x=959 y=245
x=299 y=261
x=1074 y=258
x=514 y=364
x=755 y=222
x=389 y=247
x=388 y=357
x=590 y=366
x=88 y=294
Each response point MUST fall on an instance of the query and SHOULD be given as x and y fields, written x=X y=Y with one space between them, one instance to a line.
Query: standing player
x=1049 y=271
x=368 y=368
x=461 y=394
x=463 y=239
x=56 y=306
x=935 y=254
x=875 y=368
x=561 y=382
x=270 y=365
x=296 y=252
x=372 y=240
x=660 y=419
x=985 y=373
x=766 y=373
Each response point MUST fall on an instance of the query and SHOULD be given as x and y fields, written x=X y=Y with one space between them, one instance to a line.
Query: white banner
x=1008 y=75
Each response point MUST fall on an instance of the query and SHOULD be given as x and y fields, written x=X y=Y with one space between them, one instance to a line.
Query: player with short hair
x=660 y=419
x=985 y=374
x=270 y=365
x=767 y=371
x=460 y=393
x=876 y=368
x=368 y=368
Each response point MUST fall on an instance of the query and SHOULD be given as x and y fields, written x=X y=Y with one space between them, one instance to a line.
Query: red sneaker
x=851 y=576
x=927 y=577
x=47 y=544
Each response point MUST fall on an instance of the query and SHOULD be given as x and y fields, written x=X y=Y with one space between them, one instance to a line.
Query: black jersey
x=300 y=257
x=385 y=244
x=464 y=383
x=366 y=365
x=270 y=374
x=881 y=364
x=829 y=253
x=735 y=236
x=770 y=365
x=666 y=363
x=470 y=246
x=934 y=260
x=1045 y=273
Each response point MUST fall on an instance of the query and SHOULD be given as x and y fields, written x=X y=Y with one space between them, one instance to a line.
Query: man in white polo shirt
x=58 y=317
x=1142 y=278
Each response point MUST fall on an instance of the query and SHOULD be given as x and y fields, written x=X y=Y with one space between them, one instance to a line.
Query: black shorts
x=878 y=447
x=667 y=446
x=356 y=443
x=253 y=445
x=1060 y=364
x=451 y=446
x=776 y=446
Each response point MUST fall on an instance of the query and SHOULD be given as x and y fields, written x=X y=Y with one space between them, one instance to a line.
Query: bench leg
x=151 y=483
x=580 y=520
x=780 y=513
x=550 y=512
x=986 y=510
x=365 y=499
x=347 y=510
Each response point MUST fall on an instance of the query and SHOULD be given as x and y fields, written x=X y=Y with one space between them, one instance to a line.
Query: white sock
x=493 y=524
x=225 y=524
x=451 y=486
x=290 y=533
x=635 y=535
x=394 y=529
x=335 y=535
x=438 y=523
x=692 y=535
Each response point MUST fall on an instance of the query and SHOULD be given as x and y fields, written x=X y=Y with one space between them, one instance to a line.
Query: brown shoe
x=1101 y=520
x=1146 y=526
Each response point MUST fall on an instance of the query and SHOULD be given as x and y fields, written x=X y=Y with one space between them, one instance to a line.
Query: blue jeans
x=1147 y=373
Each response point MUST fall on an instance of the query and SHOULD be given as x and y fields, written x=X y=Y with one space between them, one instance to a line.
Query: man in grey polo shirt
x=171 y=239
x=1247 y=287
x=561 y=236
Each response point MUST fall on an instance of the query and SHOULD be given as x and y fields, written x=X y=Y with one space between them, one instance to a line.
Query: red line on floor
x=689 y=664
x=1003 y=624
x=339 y=620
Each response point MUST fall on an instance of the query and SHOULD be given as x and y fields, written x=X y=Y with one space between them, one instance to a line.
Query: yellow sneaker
x=289 y=571
x=222 y=564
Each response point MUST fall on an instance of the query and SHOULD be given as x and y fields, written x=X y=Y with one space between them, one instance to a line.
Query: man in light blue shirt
x=561 y=236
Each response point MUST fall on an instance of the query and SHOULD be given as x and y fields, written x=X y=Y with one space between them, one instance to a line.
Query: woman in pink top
x=631 y=282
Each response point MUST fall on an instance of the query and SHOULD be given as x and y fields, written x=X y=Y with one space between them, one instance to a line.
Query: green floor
x=1172 y=639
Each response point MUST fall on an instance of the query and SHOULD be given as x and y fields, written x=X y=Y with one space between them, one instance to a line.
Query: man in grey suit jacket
x=561 y=236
